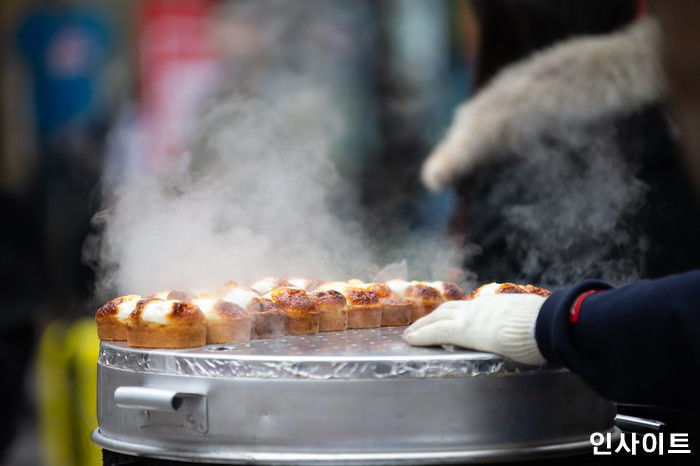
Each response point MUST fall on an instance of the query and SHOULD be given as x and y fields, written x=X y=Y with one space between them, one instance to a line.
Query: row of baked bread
x=267 y=308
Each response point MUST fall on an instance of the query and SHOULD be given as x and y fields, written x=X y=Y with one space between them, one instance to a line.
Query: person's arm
x=639 y=343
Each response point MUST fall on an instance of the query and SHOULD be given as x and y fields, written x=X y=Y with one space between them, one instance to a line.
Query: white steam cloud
x=258 y=195
x=568 y=210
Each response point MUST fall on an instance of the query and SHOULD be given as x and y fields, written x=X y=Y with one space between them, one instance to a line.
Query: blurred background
x=92 y=84
x=93 y=87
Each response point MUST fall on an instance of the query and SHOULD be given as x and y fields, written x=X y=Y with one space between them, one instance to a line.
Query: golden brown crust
x=109 y=326
x=307 y=325
x=111 y=330
x=186 y=327
x=365 y=316
x=229 y=310
x=233 y=330
x=151 y=335
x=267 y=319
x=363 y=308
x=327 y=299
x=360 y=297
x=452 y=292
x=230 y=324
x=424 y=300
x=136 y=313
x=513 y=288
x=382 y=290
x=418 y=310
x=109 y=309
x=395 y=311
x=302 y=315
x=538 y=291
x=186 y=312
x=180 y=313
x=332 y=309
x=333 y=320
x=423 y=294
x=293 y=301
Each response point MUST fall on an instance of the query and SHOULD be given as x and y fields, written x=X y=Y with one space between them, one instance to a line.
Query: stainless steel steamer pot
x=353 y=397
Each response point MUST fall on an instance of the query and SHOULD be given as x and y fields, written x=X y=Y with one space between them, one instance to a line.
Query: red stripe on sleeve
x=576 y=307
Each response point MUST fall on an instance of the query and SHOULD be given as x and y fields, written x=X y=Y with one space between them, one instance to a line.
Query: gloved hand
x=502 y=324
x=579 y=80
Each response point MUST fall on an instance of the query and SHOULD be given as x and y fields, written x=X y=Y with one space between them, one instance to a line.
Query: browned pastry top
x=360 y=297
x=294 y=301
x=423 y=293
x=453 y=292
x=180 y=312
x=382 y=290
x=227 y=309
x=109 y=308
x=328 y=298
x=263 y=306
x=513 y=288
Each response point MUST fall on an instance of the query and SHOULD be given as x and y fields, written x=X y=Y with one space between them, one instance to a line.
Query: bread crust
x=302 y=315
x=363 y=308
x=230 y=324
x=395 y=311
x=228 y=332
x=111 y=329
x=332 y=308
x=452 y=292
x=109 y=326
x=307 y=325
x=424 y=299
x=267 y=319
x=512 y=288
x=150 y=335
x=364 y=316
x=186 y=327
x=418 y=311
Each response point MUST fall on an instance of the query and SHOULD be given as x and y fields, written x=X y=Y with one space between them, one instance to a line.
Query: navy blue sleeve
x=636 y=344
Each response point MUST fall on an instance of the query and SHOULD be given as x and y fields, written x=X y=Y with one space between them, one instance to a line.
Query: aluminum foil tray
x=352 y=354
x=352 y=397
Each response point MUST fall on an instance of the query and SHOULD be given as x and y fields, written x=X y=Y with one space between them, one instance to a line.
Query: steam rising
x=258 y=195
x=570 y=209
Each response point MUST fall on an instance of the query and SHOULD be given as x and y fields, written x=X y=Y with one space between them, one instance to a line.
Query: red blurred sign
x=178 y=71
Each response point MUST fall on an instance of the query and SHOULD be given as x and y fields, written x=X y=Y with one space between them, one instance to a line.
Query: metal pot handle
x=165 y=407
x=637 y=424
x=154 y=399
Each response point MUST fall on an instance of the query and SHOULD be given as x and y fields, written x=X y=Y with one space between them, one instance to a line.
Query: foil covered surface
x=351 y=354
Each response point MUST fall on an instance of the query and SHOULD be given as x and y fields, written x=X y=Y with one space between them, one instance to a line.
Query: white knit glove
x=502 y=324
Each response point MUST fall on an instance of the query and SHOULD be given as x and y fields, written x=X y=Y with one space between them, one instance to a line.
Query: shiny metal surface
x=426 y=457
x=361 y=396
x=353 y=354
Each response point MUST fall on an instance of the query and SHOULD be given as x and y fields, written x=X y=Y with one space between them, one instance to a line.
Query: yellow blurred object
x=66 y=384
